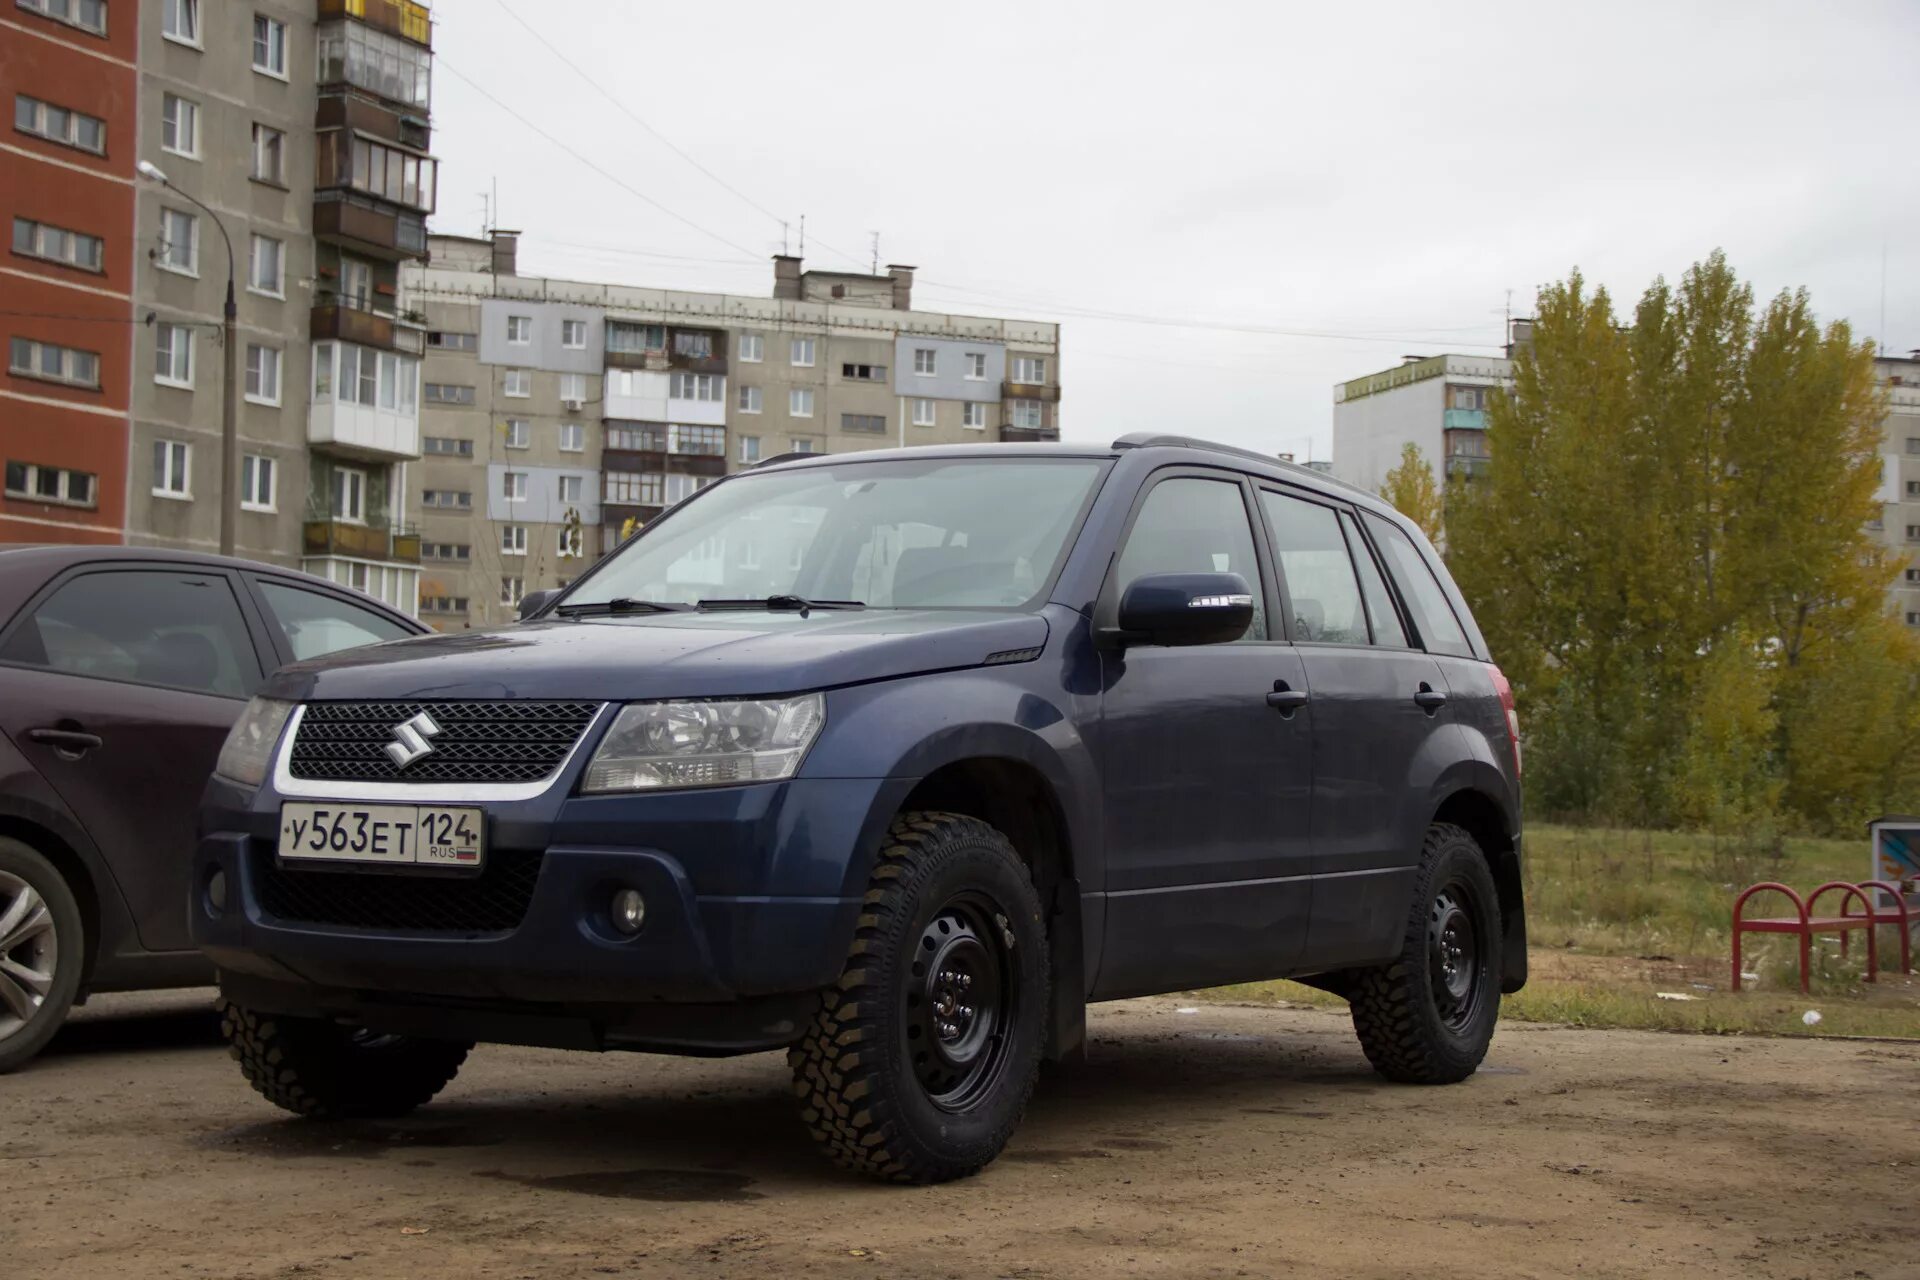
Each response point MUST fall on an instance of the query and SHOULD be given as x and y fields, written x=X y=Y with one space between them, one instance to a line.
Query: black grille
x=495 y=901
x=478 y=741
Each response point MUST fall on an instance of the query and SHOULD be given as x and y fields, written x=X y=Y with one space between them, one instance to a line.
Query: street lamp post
x=229 y=426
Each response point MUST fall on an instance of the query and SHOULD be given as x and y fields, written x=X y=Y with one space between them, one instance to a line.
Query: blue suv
x=895 y=761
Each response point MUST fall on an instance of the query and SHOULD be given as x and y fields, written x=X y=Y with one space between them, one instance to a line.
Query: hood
x=666 y=655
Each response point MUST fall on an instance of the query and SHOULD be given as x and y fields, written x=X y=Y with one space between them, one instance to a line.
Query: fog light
x=217 y=892
x=629 y=911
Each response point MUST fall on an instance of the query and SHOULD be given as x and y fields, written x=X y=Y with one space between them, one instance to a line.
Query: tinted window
x=182 y=630
x=1190 y=525
x=1313 y=559
x=1432 y=615
x=1386 y=623
x=315 y=623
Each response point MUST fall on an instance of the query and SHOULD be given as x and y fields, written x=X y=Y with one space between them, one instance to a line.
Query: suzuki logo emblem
x=410 y=740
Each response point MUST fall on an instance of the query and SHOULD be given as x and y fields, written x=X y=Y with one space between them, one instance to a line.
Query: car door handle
x=1286 y=700
x=66 y=741
x=1429 y=699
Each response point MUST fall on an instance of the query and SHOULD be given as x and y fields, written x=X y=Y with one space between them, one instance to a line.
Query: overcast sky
x=1383 y=172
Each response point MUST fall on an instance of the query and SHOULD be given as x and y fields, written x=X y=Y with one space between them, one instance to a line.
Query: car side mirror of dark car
x=534 y=601
x=1183 y=609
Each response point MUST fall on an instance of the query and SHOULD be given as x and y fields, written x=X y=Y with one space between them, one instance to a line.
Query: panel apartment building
x=558 y=416
x=291 y=140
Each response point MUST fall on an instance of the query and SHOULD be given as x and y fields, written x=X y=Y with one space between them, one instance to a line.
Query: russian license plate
x=396 y=834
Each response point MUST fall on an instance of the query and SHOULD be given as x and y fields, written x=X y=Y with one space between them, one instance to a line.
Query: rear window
x=1433 y=617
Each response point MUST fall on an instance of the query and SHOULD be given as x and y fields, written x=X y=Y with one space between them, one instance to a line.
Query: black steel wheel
x=921 y=1058
x=1428 y=1016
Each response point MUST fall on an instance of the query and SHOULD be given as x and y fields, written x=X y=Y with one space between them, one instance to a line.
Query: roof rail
x=1157 y=440
x=786 y=457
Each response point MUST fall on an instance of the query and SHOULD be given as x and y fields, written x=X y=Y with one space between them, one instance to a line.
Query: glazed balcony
x=1465 y=420
x=374 y=541
x=396 y=17
x=370 y=227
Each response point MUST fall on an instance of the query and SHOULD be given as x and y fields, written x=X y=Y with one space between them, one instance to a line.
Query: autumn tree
x=1414 y=493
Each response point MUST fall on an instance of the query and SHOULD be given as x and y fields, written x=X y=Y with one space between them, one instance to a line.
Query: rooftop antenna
x=803 y=235
x=1881 y=340
x=486 y=214
x=783 y=237
x=875 y=269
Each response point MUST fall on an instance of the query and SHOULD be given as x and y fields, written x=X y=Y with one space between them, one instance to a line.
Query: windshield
x=901 y=534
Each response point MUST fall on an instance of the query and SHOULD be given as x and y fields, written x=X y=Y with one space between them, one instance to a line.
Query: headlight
x=249 y=747
x=705 y=744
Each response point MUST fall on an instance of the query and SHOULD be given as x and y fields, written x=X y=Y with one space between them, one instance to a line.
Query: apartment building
x=277 y=148
x=559 y=415
x=1900 y=479
x=1436 y=402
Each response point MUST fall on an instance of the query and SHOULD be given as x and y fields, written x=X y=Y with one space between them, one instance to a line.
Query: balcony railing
x=1047 y=392
x=1467 y=467
x=360 y=541
x=1465 y=419
x=1013 y=435
x=367 y=226
x=333 y=317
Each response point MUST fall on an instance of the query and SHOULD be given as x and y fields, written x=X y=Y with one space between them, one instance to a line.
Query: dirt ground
x=1216 y=1141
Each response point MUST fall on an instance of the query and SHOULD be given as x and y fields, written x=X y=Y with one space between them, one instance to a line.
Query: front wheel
x=42 y=948
x=921 y=1058
x=1428 y=1016
x=325 y=1071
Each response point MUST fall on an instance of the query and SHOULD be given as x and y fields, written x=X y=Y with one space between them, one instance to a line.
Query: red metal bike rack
x=1804 y=924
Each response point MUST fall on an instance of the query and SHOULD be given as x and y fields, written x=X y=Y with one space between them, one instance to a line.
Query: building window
x=573 y=437
x=520 y=330
x=350 y=495
x=62 y=485
x=865 y=423
x=513 y=486
x=1913 y=533
x=573 y=542
x=377 y=169
x=448 y=446
x=801 y=444
x=705 y=441
x=573 y=333
x=51 y=363
x=974 y=416
x=356 y=283
x=572 y=487
x=446 y=551
x=173 y=355
x=447 y=499
x=256 y=482
x=179 y=126
x=266 y=266
x=172 y=461
x=923 y=362
x=1913 y=444
x=800 y=402
x=511 y=589
x=976 y=366
x=263 y=374
x=180 y=20
x=179 y=242
x=443 y=604
x=864 y=372
x=749 y=449
x=1913 y=488
x=55 y=244
x=1025 y=413
x=519 y=434
x=381 y=379
x=1913 y=575
x=697 y=386
x=513 y=540
x=573 y=388
x=1913 y=618
x=1031 y=370
x=445 y=341
x=802 y=353
x=681 y=485
x=270 y=45
x=384 y=64
x=448 y=393
x=88 y=15
x=694 y=345
x=58 y=124
x=923 y=413
x=749 y=399
x=269 y=155
x=519 y=383
x=635 y=339
x=632 y=489
x=636 y=436
x=753 y=348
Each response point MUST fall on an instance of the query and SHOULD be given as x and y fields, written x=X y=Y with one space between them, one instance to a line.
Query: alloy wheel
x=29 y=953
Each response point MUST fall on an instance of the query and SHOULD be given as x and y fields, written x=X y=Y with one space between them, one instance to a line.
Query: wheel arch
x=1472 y=806
x=74 y=869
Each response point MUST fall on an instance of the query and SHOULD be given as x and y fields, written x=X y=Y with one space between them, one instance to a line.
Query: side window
x=1386 y=623
x=315 y=623
x=1432 y=615
x=178 y=629
x=1313 y=560
x=1191 y=525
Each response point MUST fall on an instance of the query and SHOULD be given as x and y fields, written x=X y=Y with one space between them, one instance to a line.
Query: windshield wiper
x=619 y=604
x=801 y=603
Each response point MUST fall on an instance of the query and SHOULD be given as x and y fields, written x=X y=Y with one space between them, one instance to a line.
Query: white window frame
x=262 y=135
x=1020 y=410
x=753 y=348
x=273 y=26
x=522 y=325
x=512 y=588
x=513 y=486
x=976 y=366
x=513 y=540
x=803 y=444
x=255 y=467
x=519 y=433
x=1030 y=371
x=176 y=14
x=579 y=484
x=573 y=326
x=932 y=362
x=255 y=242
x=185 y=263
x=260 y=359
x=355 y=491
x=749 y=449
x=43 y=114
x=573 y=386
x=751 y=399
x=175 y=476
x=521 y=378
x=801 y=353
x=577 y=431
x=65 y=479
x=800 y=402
x=40 y=237
x=923 y=412
x=179 y=348
x=69 y=359
x=974 y=416
x=174 y=111
x=72 y=17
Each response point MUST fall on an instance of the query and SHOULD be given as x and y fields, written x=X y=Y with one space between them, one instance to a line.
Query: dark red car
x=121 y=670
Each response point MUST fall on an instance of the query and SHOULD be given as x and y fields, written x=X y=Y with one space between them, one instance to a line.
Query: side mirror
x=534 y=601
x=1185 y=608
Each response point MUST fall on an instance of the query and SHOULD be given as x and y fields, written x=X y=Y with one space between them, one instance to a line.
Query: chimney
x=786 y=276
x=902 y=286
x=1519 y=334
x=506 y=252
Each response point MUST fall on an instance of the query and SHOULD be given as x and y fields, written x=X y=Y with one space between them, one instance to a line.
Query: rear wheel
x=318 y=1068
x=921 y=1059
x=1428 y=1016
x=42 y=948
